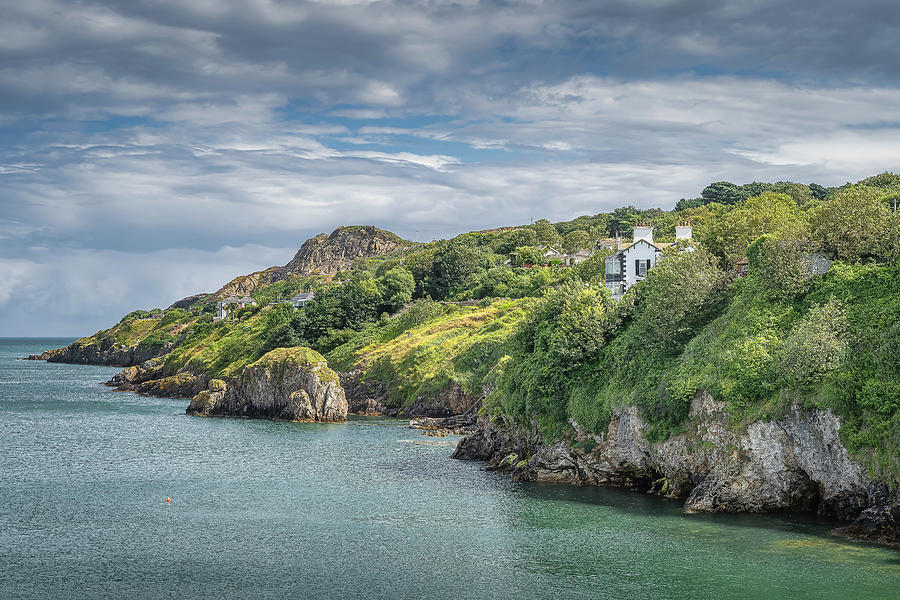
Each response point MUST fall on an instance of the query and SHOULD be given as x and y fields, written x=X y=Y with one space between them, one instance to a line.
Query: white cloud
x=97 y=287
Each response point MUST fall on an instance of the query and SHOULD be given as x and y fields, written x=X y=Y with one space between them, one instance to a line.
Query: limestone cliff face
x=293 y=384
x=328 y=254
x=793 y=463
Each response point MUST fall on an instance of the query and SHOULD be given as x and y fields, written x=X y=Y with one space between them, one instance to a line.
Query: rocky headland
x=292 y=384
x=104 y=352
x=792 y=463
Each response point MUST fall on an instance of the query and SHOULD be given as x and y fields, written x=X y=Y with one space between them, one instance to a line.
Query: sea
x=363 y=509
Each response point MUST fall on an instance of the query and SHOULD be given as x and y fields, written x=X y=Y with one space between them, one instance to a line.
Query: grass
x=418 y=353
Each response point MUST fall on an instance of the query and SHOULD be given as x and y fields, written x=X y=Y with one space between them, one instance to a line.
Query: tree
x=497 y=282
x=528 y=255
x=454 y=261
x=816 y=345
x=622 y=220
x=508 y=241
x=360 y=299
x=397 y=286
x=782 y=261
x=801 y=194
x=729 y=236
x=545 y=232
x=577 y=240
x=723 y=192
x=819 y=192
x=685 y=204
x=675 y=297
x=854 y=224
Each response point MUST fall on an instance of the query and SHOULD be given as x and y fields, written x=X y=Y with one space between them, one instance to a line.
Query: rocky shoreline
x=795 y=463
x=106 y=353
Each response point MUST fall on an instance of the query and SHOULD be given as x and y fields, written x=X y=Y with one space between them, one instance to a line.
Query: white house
x=302 y=299
x=632 y=261
x=222 y=312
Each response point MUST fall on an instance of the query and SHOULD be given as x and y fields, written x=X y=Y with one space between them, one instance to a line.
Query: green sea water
x=366 y=509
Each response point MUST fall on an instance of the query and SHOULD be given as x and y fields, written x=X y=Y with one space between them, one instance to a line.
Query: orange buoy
x=168 y=500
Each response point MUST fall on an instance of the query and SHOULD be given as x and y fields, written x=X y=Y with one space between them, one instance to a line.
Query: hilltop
x=745 y=361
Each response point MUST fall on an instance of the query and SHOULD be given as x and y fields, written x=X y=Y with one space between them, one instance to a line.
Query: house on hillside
x=579 y=257
x=632 y=261
x=302 y=299
x=222 y=311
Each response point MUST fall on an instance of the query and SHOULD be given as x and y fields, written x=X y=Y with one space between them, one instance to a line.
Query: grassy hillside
x=557 y=348
x=421 y=350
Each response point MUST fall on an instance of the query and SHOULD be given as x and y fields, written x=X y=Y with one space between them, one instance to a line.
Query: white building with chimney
x=632 y=261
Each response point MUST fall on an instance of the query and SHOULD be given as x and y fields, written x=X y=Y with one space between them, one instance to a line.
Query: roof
x=658 y=245
x=229 y=300
x=246 y=299
x=303 y=296
x=584 y=253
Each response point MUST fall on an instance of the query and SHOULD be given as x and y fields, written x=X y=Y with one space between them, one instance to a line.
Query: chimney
x=643 y=231
x=683 y=231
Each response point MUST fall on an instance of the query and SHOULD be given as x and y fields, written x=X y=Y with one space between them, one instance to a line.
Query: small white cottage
x=302 y=299
x=632 y=261
x=222 y=312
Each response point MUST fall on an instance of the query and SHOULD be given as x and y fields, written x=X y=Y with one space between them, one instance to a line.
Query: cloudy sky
x=154 y=149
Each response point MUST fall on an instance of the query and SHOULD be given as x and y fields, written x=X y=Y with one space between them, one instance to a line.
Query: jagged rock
x=327 y=254
x=324 y=254
x=293 y=384
x=105 y=353
x=795 y=462
x=880 y=521
x=451 y=400
x=189 y=301
x=461 y=424
x=371 y=398
x=365 y=397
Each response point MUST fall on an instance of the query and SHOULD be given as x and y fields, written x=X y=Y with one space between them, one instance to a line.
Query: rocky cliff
x=370 y=397
x=293 y=384
x=106 y=352
x=324 y=254
x=328 y=254
x=792 y=463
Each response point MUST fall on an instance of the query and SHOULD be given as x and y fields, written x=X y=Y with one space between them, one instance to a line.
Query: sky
x=154 y=149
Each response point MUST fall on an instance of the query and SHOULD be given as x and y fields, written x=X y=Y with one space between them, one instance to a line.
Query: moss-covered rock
x=293 y=384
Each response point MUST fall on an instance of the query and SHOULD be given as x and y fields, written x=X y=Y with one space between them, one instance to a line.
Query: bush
x=816 y=345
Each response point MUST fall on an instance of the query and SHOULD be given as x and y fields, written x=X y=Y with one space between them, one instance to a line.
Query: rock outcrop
x=324 y=254
x=105 y=353
x=792 y=463
x=327 y=254
x=293 y=384
x=370 y=397
x=152 y=380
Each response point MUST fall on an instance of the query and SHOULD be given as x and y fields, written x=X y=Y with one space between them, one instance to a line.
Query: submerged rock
x=792 y=463
x=293 y=384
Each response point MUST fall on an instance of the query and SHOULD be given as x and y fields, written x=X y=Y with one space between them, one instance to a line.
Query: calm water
x=366 y=509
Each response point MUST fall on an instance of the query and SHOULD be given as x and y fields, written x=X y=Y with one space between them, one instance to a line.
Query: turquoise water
x=366 y=509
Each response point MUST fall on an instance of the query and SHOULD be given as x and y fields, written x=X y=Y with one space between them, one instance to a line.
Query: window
x=641 y=266
x=613 y=267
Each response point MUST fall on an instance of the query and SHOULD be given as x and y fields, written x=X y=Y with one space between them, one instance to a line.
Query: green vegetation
x=553 y=347
x=420 y=351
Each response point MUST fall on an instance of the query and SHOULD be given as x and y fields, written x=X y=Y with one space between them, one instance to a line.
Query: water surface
x=366 y=509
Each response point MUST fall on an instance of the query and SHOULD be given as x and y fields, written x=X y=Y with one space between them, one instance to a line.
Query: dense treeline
x=558 y=348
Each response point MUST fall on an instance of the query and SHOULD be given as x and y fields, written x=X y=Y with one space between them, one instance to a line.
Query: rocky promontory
x=103 y=352
x=793 y=463
x=293 y=384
